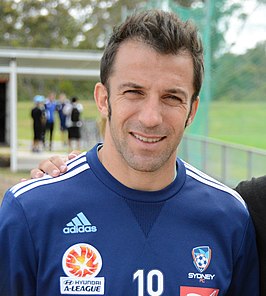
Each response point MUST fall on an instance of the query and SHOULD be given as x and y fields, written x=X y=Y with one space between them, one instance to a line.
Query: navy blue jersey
x=84 y=233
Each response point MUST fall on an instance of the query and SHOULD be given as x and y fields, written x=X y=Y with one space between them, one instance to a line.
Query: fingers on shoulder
x=53 y=166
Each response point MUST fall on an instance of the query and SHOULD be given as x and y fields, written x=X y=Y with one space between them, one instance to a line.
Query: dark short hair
x=74 y=99
x=165 y=32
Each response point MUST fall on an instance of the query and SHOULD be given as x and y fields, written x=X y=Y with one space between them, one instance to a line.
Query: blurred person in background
x=39 y=121
x=73 y=111
x=50 y=108
x=61 y=103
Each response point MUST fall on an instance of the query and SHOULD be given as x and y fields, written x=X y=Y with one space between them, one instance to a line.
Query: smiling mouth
x=147 y=140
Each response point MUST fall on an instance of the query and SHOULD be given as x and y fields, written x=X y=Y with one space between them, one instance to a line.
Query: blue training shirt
x=84 y=233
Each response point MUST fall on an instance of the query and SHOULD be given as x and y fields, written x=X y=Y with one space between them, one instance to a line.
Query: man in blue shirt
x=62 y=102
x=50 y=108
x=128 y=218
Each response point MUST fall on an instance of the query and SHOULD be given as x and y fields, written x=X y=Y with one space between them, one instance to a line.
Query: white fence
x=228 y=163
x=90 y=134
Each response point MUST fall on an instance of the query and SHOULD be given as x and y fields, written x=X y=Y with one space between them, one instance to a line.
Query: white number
x=139 y=274
x=151 y=276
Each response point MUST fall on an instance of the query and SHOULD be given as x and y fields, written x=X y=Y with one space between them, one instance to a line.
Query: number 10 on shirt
x=153 y=279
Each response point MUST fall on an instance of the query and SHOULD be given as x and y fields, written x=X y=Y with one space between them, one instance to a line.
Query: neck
x=139 y=180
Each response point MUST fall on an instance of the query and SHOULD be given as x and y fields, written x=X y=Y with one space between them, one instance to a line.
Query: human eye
x=173 y=100
x=133 y=93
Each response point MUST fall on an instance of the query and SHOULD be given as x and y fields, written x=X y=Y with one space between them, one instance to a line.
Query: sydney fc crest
x=201 y=257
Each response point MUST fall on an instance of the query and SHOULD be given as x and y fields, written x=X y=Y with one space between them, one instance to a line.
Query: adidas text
x=80 y=229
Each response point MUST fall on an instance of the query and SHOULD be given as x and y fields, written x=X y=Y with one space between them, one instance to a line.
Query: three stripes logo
x=79 y=224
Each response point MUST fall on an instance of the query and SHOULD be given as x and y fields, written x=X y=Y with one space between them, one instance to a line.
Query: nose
x=150 y=114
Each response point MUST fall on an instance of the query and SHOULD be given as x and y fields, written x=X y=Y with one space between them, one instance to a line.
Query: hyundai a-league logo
x=201 y=257
x=82 y=263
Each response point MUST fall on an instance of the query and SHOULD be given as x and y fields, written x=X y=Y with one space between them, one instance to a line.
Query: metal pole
x=207 y=44
x=13 y=115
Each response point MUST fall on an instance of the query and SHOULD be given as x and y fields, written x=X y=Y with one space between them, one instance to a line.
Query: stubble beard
x=145 y=161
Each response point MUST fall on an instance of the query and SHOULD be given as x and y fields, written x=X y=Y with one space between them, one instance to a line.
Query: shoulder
x=254 y=193
x=255 y=187
x=213 y=202
x=36 y=199
x=67 y=108
x=79 y=107
x=24 y=190
x=214 y=190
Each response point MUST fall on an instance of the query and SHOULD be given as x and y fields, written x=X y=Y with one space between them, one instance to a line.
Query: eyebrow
x=131 y=85
x=176 y=90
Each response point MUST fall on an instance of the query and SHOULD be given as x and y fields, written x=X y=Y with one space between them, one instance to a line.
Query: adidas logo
x=79 y=224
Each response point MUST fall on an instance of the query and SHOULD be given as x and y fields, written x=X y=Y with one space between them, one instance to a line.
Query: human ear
x=101 y=98
x=193 y=111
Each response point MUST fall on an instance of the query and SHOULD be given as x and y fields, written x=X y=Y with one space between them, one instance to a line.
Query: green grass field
x=240 y=123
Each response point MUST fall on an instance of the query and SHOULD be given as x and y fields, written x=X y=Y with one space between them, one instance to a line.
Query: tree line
x=86 y=25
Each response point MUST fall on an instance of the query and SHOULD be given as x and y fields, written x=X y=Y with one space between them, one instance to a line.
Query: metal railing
x=226 y=162
x=90 y=134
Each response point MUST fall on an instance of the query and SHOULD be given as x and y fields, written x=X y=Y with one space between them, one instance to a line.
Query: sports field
x=239 y=122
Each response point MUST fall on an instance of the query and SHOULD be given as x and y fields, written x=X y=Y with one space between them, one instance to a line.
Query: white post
x=13 y=115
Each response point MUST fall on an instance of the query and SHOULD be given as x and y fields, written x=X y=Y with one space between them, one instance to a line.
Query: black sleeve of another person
x=254 y=194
